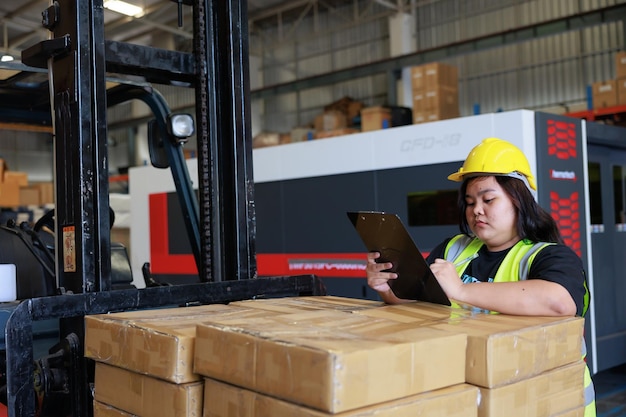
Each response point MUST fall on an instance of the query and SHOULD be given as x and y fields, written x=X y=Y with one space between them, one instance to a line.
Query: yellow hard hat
x=495 y=156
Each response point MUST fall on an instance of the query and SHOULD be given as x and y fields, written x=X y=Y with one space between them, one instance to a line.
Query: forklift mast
x=221 y=228
x=78 y=58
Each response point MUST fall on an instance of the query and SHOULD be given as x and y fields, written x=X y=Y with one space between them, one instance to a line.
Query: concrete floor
x=611 y=392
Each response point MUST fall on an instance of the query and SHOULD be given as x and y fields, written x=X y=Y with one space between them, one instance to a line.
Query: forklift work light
x=181 y=125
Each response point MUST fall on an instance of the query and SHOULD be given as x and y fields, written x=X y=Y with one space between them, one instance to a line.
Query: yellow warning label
x=69 y=249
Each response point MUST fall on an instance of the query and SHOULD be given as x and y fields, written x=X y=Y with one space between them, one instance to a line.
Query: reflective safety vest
x=515 y=267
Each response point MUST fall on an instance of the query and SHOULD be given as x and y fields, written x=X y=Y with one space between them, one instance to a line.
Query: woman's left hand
x=448 y=278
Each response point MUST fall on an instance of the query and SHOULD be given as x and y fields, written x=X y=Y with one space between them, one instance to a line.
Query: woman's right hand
x=376 y=278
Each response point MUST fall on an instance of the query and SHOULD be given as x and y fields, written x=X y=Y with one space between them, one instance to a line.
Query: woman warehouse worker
x=509 y=257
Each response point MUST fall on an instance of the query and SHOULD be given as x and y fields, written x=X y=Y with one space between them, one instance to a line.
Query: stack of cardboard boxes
x=145 y=359
x=15 y=189
x=523 y=366
x=435 y=89
x=337 y=119
x=611 y=93
x=323 y=356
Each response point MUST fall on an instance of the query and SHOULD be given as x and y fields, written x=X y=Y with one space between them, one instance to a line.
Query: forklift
x=79 y=279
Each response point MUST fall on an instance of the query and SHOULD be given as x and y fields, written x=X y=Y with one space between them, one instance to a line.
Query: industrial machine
x=220 y=223
x=304 y=190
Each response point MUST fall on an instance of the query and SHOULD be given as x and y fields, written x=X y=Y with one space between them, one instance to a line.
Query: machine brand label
x=562 y=175
x=430 y=142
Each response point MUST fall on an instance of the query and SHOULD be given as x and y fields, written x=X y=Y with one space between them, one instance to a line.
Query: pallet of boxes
x=611 y=93
x=435 y=90
x=333 y=356
x=337 y=119
x=16 y=189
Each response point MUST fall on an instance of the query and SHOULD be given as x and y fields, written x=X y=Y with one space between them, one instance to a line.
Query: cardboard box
x=503 y=349
x=105 y=410
x=346 y=105
x=620 y=65
x=288 y=305
x=621 y=92
x=436 y=99
x=266 y=139
x=604 y=94
x=143 y=395
x=21 y=178
x=9 y=194
x=29 y=196
x=154 y=342
x=375 y=118
x=301 y=134
x=549 y=394
x=331 y=120
x=3 y=169
x=434 y=74
x=46 y=192
x=224 y=400
x=330 y=360
x=433 y=116
x=324 y=134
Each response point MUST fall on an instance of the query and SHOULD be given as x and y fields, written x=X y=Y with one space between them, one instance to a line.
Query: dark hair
x=533 y=222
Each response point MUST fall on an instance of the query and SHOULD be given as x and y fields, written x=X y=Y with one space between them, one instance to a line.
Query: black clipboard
x=385 y=233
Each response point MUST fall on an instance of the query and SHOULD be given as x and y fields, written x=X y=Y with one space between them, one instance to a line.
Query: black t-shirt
x=555 y=263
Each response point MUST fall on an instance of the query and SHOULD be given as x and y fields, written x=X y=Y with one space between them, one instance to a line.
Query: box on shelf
x=324 y=134
x=46 y=192
x=620 y=65
x=9 y=194
x=375 y=118
x=550 y=394
x=329 y=360
x=302 y=134
x=29 y=196
x=19 y=177
x=433 y=74
x=604 y=94
x=3 y=169
x=436 y=98
x=502 y=349
x=433 y=116
x=621 y=91
x=270 y=139
x=436 y=103
x=225 y=400
x=346 y=105
x=143 y=395
x=154 y=342
x=330 y=120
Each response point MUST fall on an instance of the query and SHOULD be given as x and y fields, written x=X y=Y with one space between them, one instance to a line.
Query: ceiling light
x=6 y=58
x=123 y=8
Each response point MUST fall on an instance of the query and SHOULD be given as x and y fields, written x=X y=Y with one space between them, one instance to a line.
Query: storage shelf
x=615 y=115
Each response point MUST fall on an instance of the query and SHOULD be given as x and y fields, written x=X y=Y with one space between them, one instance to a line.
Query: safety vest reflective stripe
x=515 y=267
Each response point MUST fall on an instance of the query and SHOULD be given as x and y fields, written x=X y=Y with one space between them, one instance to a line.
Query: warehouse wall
x=550 y=74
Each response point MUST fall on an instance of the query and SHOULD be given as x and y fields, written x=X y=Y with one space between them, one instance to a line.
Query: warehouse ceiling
x=157 y=25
